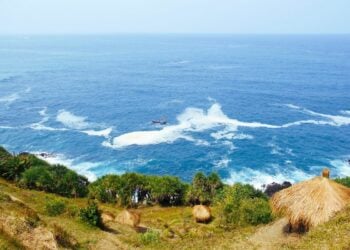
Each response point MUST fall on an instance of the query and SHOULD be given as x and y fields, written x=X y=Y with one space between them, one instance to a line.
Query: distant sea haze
x=255 y=109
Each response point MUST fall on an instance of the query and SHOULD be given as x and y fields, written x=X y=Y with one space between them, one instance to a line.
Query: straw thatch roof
x=201 y=213
x=311 y=202
x=129 y=218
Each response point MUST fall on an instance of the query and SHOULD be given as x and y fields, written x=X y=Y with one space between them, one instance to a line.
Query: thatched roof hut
x=130 y=218
x=311 y=202
x=201 y=213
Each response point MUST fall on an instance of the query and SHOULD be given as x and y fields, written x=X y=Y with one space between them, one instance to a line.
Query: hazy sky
x=174 y=16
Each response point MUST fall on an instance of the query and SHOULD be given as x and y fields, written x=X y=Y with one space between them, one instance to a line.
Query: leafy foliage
x=150 y=237
x=167 y=190
x=243 y=205
x=55 y=207
x=31 y=172
x=91 y=215
x=204 y=189
x=344 y=181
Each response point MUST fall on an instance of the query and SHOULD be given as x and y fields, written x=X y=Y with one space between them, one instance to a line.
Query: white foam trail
x=332 y=120
x=41 y=124
x=259 y=178
x=72 y=121
x=102 y=133
x=191 y=120
x=6 y=127
x=9 y=99
x=345 y=112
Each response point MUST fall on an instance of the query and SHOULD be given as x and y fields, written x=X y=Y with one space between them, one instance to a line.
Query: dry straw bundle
x=201 y=213
x=311 y=202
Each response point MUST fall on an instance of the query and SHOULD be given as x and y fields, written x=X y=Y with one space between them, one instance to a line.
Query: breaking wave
x=72 y=121
x=199 y=120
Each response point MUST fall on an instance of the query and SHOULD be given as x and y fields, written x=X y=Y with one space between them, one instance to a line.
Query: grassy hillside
x=171 y=228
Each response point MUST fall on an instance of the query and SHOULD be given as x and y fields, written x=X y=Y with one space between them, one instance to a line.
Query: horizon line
x=168 y=33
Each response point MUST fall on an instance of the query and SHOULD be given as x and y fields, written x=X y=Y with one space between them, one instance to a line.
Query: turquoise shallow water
x=252 y=108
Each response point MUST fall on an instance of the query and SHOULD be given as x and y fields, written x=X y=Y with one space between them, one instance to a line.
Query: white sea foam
x=259 y=178
x=9 y=99
x=41 y=124
x=345 y=112
x=332 y=120
x=191 y=120
x=341 y=168
x=222 y=163
x=102 y=133
x=72 y=121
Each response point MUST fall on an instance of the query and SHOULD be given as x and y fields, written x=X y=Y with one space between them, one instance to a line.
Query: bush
x=150 y=237
x=72 y=210
x=344 y=181
x=12 y=167
x=55 y=179
x=244 y=205
x=55 y=207
x=255 y=211
x=91 y=215
x=37 y=178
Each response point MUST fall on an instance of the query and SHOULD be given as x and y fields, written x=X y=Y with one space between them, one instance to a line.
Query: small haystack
x=201 y=213
x=107 y=217
x=129 y=218
x=311 y=202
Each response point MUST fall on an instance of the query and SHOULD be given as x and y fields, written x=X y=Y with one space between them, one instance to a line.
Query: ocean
x=253 y=108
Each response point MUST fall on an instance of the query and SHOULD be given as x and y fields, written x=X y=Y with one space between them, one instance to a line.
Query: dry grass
x=311 y=202
x=176 y=227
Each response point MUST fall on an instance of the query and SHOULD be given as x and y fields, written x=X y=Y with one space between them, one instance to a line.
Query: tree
x=167 y=190
x=204 y=189
x=106 y=188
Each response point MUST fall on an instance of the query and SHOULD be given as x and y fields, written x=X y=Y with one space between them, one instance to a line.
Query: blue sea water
x=254 y=109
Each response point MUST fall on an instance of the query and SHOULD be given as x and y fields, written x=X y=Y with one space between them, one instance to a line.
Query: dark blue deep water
x=252 y=108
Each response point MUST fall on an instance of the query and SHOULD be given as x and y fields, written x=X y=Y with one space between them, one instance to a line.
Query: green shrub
x=72 y=210
x=12 y=167
x=344 y=181
x=37 y=178
x=244 y=205
x=55 y=207
x=91 y=215
x=255 y=211
x=150 y=237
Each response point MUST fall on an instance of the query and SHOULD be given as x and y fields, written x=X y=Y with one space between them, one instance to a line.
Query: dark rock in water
x=24 y=153
x=274 y=187
x=44 y=155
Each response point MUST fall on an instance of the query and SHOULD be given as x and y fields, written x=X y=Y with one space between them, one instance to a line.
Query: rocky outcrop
x=274 y=187
x=23 y=224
